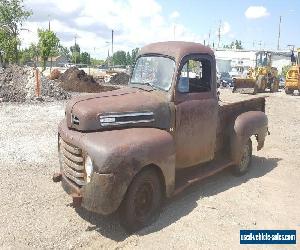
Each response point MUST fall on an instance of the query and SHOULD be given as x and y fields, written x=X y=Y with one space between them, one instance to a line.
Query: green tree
x=48 y=44
x=234 y=45
x=24 y=56
x=97 y=62
x=75 y=50
x=119 y=58
x=12 y=16
x=128 y=59
x=64 y=51
x=5 y=47
x=34 y=52
x=85 y=58
x=238 y=44
x=134 y=54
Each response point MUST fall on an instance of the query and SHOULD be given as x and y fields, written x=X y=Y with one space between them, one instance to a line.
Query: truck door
x=196 y=111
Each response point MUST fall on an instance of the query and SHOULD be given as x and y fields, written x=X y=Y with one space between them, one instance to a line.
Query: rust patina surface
x=126 y=130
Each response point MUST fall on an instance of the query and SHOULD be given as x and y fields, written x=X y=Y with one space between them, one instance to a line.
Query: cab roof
x=176 y=49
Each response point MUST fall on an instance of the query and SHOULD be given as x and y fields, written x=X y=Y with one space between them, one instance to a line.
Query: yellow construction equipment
x=292 y=78
x=259 y=78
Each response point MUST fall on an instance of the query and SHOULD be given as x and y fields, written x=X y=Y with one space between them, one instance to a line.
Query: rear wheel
x=255 y=90
x=274 y=86
x=142 y=201
x=245 y=161
x=261 y=83
x=288 y=91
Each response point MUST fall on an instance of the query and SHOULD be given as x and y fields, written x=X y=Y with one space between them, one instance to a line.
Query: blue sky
x=138 y=22
x=202 y=16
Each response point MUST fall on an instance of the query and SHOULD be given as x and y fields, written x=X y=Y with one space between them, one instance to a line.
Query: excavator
x=259 y=78
x=292 y=78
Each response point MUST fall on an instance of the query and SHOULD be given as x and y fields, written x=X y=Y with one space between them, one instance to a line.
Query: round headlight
x=89 y=168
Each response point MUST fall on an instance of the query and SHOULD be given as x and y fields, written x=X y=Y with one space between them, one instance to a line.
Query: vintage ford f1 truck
x=128 y=149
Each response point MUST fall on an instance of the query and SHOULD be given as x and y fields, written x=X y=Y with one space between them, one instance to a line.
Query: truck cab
x=126 y=150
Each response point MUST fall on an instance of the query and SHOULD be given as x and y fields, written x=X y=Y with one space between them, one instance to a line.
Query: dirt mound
x=76 y=80
x=55 y=74
x=17 y=84
x=119 y=79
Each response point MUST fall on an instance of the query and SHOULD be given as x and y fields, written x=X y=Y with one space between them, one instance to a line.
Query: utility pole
x=279 y=26
x=259 y=43
x=49 y=25
x=108 y=59
x=174 y=32
x=209 y=38
x=112 y=47
x=219 y=34
x=75 y=37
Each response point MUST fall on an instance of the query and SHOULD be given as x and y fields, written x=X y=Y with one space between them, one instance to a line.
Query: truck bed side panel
x=228 y=112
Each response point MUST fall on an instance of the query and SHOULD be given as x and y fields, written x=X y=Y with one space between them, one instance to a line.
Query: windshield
x=156 y=71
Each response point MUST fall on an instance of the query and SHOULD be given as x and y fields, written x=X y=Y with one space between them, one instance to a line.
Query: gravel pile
x=76 y=80
x=52 y=91
x=17 y=84
x=120 y=79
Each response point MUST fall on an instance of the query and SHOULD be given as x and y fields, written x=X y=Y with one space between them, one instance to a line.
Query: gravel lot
x=36 y=213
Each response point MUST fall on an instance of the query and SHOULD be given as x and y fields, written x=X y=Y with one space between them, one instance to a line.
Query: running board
x=187 y=177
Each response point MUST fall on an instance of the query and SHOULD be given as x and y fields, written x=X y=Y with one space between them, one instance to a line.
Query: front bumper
x=96 y=196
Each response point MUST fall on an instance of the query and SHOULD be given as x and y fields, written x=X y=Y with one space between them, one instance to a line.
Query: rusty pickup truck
x=127 y=150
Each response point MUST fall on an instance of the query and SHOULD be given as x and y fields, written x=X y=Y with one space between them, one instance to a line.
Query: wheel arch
x=160 y=175
x=248 y=124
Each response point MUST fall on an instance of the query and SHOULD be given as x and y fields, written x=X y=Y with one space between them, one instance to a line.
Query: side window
x=195 y=76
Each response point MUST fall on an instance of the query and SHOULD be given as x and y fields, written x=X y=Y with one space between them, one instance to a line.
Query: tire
x=274 y=86
x=261 y=83
x=255 y=90
x=288 y=91
x=245 y=162
x=142 y=201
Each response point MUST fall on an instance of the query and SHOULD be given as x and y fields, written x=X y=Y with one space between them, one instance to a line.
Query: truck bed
x=230 y=106
x=227 y=97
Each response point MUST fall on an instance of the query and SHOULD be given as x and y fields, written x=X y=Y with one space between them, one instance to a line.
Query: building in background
x=57 y=61
x=238 y=61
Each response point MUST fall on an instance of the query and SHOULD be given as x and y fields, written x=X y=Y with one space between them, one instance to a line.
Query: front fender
x=125 y=152
x=248 y=124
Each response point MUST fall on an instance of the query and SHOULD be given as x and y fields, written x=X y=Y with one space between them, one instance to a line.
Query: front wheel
x=142 y=201
x=288 y=91
x=243 y=166
x=274 y=86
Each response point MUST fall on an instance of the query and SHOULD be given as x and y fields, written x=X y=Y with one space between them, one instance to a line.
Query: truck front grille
x=72 y=165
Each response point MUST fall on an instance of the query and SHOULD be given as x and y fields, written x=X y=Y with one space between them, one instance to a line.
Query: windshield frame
x=155 y=87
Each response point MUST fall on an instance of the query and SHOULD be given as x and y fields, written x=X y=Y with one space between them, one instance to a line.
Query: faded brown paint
x=196 y=121
x=176 y=49
x=187 y=130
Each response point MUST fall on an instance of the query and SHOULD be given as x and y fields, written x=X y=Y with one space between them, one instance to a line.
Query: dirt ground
x=36 y=213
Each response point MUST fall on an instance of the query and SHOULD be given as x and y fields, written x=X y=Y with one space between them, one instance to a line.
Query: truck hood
x=123 y=108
